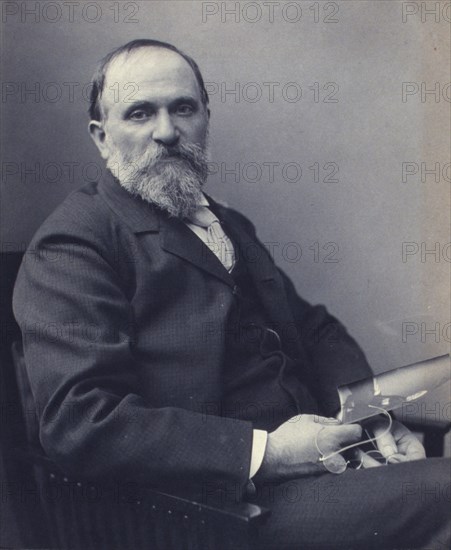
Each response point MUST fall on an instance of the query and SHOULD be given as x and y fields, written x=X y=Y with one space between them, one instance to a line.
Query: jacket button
x=236 y=290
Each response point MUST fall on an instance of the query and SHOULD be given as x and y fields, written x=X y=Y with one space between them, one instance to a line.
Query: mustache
x=190 y=152
x=148 y=162
x=185 y=152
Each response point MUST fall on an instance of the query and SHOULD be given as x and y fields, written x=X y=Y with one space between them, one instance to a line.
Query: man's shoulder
x=82 y=213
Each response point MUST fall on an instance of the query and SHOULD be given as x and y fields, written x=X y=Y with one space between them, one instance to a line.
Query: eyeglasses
x=356 y=462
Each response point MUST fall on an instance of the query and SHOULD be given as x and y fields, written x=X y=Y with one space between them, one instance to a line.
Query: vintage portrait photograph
x=225 y=294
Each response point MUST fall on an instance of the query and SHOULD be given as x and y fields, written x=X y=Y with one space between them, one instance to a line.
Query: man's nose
x=165 y=131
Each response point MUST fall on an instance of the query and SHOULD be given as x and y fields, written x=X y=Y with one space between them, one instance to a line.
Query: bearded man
x=172 y=363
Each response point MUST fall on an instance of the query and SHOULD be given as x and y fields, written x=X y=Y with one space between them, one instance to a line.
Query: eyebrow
x=144 y=104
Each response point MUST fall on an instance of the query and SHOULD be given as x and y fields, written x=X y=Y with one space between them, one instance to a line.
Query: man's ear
x=98 y=135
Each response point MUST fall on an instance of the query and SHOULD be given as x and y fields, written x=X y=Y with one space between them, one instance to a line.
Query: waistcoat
x=260 y=382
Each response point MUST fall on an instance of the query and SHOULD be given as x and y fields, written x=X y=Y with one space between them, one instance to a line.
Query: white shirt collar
x=204 y=201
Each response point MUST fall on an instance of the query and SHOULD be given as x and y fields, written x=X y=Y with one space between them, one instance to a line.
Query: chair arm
x=240 y=511
x=426 y=425
x=434 y=430
x=176 y=518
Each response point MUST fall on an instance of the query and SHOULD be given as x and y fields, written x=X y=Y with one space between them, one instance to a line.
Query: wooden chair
x=45 y=508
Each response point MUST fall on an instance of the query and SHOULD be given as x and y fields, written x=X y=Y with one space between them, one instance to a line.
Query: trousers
x=394 y=507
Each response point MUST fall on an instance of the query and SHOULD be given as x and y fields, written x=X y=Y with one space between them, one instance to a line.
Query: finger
x=296 y=418
x=417 y=453
x=313 y=417
x=327 y=420
x=408 y=444
x=411 y=447
x=396 y=458
x=385 y=441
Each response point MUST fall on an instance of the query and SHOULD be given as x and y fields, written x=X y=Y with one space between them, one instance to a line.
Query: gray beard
x=170 y=178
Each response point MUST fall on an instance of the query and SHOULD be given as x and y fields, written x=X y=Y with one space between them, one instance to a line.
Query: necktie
x=217 y=242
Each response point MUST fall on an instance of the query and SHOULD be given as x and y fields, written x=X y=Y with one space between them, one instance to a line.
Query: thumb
x=344 y=434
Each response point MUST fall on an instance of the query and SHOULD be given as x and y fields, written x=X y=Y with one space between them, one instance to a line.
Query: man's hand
x=399 y=445
x=294 y=448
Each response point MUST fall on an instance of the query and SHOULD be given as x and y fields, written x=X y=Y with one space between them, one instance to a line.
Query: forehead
x=149 y=73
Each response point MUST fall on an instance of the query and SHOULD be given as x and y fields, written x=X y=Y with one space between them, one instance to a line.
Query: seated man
x=159 y=351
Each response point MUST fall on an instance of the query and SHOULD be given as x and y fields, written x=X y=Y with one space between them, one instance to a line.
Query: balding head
x=99 y=78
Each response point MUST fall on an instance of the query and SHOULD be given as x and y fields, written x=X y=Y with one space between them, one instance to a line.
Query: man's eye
x=139 y=114
x=185 y=110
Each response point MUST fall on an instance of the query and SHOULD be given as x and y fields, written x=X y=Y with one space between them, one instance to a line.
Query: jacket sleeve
x=331 y=356
x=76 y=322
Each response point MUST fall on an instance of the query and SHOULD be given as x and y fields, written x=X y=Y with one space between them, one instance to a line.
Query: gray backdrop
x=319 y=90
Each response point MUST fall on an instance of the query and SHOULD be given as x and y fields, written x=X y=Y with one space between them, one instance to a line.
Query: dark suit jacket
x=122 y=311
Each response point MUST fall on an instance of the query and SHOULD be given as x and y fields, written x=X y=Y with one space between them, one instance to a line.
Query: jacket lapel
x=178 y=239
